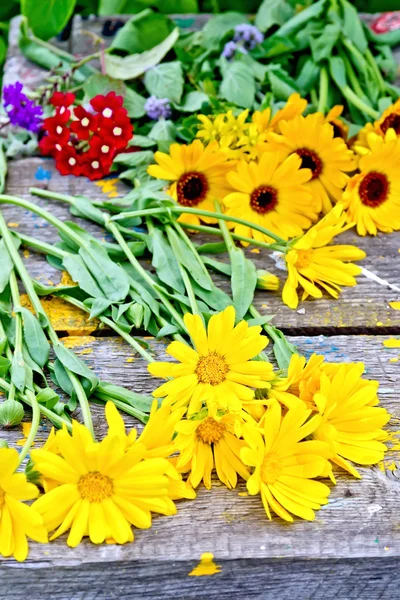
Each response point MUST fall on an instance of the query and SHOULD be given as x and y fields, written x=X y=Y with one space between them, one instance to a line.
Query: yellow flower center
x=304 y=258
x=210 y=431
x=271 y=469
x=95 y=487
x=2 y=498
x=212 y=369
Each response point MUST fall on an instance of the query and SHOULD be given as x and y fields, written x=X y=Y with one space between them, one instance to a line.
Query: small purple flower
x=250 y=35
x=229 y=50
x=158 y=108
x=20 y=109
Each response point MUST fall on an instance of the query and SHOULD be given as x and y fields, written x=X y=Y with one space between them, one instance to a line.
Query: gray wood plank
x=361 y=519
x=361 y=309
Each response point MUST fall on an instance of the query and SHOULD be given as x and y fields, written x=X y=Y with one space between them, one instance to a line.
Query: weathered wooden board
x=361 y=309
x=361 y=521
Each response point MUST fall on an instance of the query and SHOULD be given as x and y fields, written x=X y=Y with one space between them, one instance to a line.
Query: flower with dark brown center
x=310 y=160
x=264 y=199
x=191 y=188
x=374 y=189
x=391 y=122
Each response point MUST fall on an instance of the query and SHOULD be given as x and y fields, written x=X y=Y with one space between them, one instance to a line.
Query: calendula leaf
x=273 y=12
x=353 y=27
x=134 y=65
x=109 y=276
x=71 y=361
x=109 y=391
x=6 y=266
x=5 y=365
x=243 y=282
x=79 y=273
x=323 y=45
x=215 y=299
x=19 y=371
x=97 y=306
x=35 y=338
x=165 y=262
x=48 y=397
x=212 y=248
x=185 y=255
x=218 y=266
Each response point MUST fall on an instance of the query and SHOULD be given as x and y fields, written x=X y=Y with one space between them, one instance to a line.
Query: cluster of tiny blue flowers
x=20 y=109
x=246 y=37
x=158 y=108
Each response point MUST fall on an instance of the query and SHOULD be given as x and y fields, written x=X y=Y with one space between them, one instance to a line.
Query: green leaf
x=61 y=379
x=338 y=71
x=79 y=273
x=238 y=85
x=308 y=76
x=217 y=27
x=35 y=339
x=273 y=12
x=218 y=266
x=143 y=141
x=164 y=133
x=322 y=46
x=302 y=18
x=70 y=361
x=97 y=306
x=134 y=104
x=47 y=19
x=134 y=159
x=165 y=81
x=215 y=299
x=18 y=371
x=142 y=32
x=5 y=365
x=109 y=276
x=243 y=282
x=111 y=7
x=165 y=263
x=102 y=84
x=282 y=85
x=48 y=397
x=134 y=65
x=353 y=27
x=6 y=266
x=185 y=255
x=193 y=101
x=167 y=330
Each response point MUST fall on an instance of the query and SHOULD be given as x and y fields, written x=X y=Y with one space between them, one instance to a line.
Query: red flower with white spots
x=108 y=105
x=68 y=161
x=85 y=123
x=87 y=143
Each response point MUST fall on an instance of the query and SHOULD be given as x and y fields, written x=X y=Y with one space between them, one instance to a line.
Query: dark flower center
x=310 y=160
x=391 y=122
x=338 y=131
x=192 y=189
x=374 y=189
x=264 y=199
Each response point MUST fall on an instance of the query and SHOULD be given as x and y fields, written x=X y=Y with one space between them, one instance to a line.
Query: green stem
x=372 y=63
x=283 y=349
x=141 y=271
x=128 y=338
x=235 y=236
x=53 y=417
x=126 y=408
x=190 y=244
x=355 y=100
x=323 y=90
x=34 y=427
x=34 y=298
x=31 y=242
x=18 y=323
x=200 y=213
x=72 y=201
x=351 y=74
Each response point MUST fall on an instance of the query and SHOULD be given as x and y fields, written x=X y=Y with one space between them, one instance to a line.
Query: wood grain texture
x=361 y=519
x=362 y=309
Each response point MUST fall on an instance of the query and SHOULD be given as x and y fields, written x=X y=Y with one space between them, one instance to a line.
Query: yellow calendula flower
x=218 y=371
x=272 y=194
x=326 y=156
x=313 y=265
x=264 y=120
x=210 y=441
x=197 y=174
x=210 y=129
x=157 y=437
x=102 y=489
x=17 y=520
x=372 y=197
x=284 y=465
x=340 y=129
x=351 y=420
x=390 y=119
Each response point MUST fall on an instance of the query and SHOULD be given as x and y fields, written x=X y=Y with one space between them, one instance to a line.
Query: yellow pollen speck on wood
x=206 y=566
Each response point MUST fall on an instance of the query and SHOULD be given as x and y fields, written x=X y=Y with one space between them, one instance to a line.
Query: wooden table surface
x=351 y=550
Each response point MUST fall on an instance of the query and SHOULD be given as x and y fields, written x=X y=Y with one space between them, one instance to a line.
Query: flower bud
x=3 y=444
x=135 y=314
x=11 y=413
x=267 y=281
